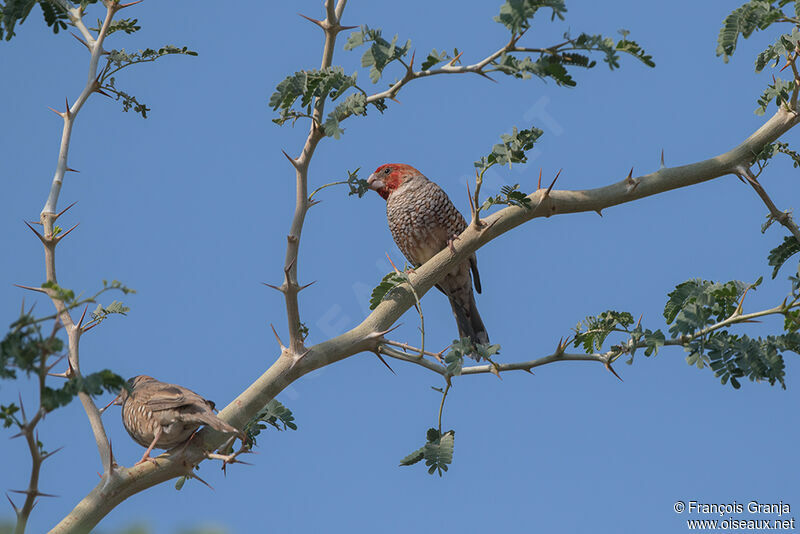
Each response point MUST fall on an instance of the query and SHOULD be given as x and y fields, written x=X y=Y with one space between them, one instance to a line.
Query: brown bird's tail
x=469 y=321
x=208 y=418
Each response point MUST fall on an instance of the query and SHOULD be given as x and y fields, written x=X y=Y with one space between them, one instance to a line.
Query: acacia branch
x=559 y=355
x=475 y=68
x=290 y=287
x=50 y=237
x=367 y=336
x=95 y=46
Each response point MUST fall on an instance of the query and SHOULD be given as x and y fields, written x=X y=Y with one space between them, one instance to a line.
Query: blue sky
x=191 y=208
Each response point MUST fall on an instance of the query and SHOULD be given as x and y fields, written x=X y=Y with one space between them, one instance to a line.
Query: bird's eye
x=387 y=171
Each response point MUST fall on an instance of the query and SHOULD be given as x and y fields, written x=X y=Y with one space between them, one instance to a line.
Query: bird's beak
x=374 y=182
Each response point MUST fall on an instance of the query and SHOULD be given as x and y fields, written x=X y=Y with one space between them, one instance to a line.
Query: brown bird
x=161 y=415
x=424 y=221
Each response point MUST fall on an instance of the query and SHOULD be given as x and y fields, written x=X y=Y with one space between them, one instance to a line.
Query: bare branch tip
x=29 y=288
x=129 y=4
x=62 y=212
x=280 y=343
x=378 y=354
x=40 y=236
x=315 y=21
x=84 y=43
x=80 y=322
x=65 y=234
x=305 y=286
x=290 y=158
x=14 y=506
x=608 y=366
x=546 y=193
x=453 y=61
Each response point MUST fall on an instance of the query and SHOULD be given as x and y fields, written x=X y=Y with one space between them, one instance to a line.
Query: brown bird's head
x=132 y=383
x=390 y=176
x=120 y=399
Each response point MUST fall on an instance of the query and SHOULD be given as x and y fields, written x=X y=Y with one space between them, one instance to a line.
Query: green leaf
x=633 y=48
x=770 y=150
x=7 y=415
x=780 y=254
x=695 y=304
x=308 y=85
x=357 y=185
x=752 y=16
x=485 y=351
x=454 y=360
x=593 y=331
x=434 y=58
x=274 y=414
x=655 y=340
x=780 y=91
x=611 y=49
x=380 y=54
x=382 y=290
x=516 y=15
x=437 y=452
x=783 y=47
x=414 y=457
x=510 y=196
x=94 y=384
x=731 y=357
x=512 y=149
x=121 y=25
x=355 y=104
x=13 y=12
x=544 y=67
x=60 y=293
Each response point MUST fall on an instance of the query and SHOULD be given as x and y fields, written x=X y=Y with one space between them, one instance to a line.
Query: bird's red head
x=388 y=177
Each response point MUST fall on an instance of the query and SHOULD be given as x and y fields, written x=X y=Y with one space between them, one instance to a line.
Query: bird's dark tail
x=469 y=321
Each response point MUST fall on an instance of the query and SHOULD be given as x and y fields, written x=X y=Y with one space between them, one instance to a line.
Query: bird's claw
x=450 y=243
x=146 y=459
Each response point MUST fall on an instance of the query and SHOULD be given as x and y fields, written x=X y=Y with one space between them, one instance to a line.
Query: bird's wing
x=170 y=396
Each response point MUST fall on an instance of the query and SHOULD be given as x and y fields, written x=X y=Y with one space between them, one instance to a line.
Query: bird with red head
x=423 y=221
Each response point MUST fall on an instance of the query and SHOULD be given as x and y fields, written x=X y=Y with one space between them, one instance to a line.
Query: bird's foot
x=450 y=243
x=146 y=458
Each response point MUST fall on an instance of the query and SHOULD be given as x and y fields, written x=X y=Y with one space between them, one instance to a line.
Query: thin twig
x=291 y=287
x=441 y=405
x=781 y=216
x=407 y=347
